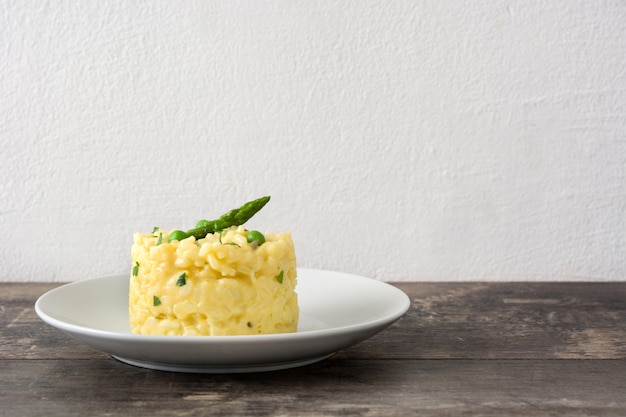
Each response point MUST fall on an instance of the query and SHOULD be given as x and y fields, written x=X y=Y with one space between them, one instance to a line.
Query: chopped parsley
x=227 y=243
x=136 y=269
x=182 y=280
x=160 y=239
x=155 y=228
x=279 y=277
x=156 y=301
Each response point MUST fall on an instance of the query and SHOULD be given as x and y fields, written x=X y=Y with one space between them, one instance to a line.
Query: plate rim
x=62 y=325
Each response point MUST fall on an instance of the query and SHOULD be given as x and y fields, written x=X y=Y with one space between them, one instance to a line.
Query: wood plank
x=337 y=386
x=445 y=321
x=508 y=321
x=397 y=372
x=24 y=335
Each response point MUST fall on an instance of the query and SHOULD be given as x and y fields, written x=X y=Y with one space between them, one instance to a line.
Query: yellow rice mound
x=218 y=285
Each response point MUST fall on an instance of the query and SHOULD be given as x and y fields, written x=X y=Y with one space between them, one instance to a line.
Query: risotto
x=221 y=284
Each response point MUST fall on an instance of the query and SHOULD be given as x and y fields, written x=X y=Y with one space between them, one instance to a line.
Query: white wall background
x=402 y=140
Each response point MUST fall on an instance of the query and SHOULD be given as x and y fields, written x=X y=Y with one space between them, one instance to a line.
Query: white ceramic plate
x=337 y=310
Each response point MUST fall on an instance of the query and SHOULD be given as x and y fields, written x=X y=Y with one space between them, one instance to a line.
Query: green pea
x=177 y=235
x=202 y=223
x=255 y=235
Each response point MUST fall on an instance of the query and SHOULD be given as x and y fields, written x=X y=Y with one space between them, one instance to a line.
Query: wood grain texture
x=346 y=387
x=496 y=349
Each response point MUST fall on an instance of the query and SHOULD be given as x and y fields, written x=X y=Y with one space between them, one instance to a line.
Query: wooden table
x=463 y=349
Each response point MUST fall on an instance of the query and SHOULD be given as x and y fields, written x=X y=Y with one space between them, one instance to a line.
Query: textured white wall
x=417 y=140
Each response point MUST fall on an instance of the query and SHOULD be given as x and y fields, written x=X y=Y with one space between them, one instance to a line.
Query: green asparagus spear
x=234 y=217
